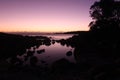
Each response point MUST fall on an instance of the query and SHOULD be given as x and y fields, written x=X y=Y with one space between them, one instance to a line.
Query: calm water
x=51 y=53
x=56 y=36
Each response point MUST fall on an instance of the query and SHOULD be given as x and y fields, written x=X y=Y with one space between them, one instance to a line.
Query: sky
x=44 y=15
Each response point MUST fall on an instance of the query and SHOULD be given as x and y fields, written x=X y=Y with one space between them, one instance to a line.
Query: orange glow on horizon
x=42 y=29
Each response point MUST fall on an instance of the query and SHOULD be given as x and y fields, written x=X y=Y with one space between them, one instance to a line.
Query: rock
x=41 y=51
x=69 y=53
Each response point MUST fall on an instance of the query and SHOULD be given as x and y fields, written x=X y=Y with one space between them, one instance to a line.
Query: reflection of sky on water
x=55 y=52
x=57 y=36
x=52 y=53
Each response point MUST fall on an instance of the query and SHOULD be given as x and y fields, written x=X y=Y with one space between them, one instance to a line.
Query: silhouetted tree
x=105 y=15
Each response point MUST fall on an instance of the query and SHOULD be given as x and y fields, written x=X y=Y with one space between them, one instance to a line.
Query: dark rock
x=69 y=53
x=41 y=51
x=33 y=60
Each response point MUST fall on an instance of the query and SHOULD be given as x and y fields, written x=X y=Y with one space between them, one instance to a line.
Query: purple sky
x=44 y=15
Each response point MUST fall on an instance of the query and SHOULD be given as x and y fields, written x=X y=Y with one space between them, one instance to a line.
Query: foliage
x=105 y=15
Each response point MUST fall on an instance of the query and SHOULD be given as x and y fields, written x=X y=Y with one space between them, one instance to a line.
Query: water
x=60 y=36
x=52 y=53
x=56 y=36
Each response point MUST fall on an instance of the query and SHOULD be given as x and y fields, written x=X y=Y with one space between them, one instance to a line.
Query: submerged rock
x=69 y=53
x=41 y=51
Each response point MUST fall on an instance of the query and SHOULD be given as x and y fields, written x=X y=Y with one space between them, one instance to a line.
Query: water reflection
x=54 y=52
x=46 y=55
x=57 y=36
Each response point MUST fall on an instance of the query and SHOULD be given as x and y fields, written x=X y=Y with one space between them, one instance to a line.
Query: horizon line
x=40 y=31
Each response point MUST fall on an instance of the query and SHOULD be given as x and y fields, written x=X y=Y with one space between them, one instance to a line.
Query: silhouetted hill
x=72 y=32
x=6 y=34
